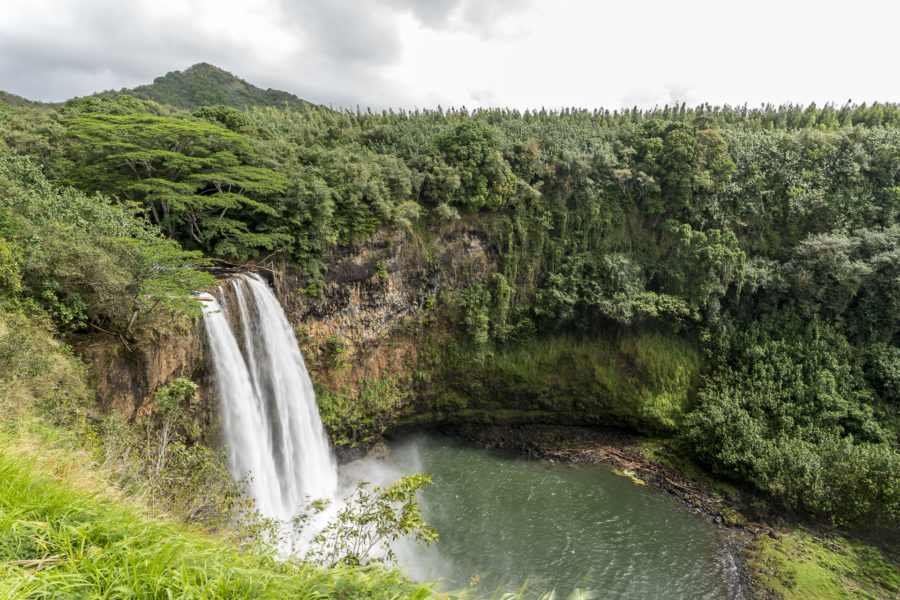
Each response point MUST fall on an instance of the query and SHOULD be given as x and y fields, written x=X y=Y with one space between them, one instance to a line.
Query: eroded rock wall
x=374 y=290
x=125 y=379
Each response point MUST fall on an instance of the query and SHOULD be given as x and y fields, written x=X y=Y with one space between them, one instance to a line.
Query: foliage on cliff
x=85 y=260
x=72 y=261
x=765 y=239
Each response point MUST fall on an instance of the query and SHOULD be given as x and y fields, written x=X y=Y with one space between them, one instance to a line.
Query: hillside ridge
x=204 y=84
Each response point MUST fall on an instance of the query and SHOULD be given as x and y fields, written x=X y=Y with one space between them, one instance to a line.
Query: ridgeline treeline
x=766 y=240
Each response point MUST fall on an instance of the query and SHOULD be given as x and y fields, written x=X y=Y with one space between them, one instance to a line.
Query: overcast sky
x=421 y=53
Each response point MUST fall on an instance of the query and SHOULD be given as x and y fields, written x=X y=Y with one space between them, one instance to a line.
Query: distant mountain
x=205 y=85
x=13 y=100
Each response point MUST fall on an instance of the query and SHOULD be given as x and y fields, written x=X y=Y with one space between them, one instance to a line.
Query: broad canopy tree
x=87 y=261
x=193 y=178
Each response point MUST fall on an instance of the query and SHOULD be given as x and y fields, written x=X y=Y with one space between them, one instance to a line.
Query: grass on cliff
x=38 y=373
x=46 y=400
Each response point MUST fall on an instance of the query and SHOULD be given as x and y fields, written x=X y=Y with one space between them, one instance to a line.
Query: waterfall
x=270 y=419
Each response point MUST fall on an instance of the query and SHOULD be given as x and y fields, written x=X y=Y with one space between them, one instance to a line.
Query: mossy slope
x=801 y=565
x=639 y=381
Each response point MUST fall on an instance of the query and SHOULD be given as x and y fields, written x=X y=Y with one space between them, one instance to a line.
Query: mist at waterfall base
x=499 y=517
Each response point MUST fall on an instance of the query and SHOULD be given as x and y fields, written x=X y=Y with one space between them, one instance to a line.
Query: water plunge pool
x=505 y=520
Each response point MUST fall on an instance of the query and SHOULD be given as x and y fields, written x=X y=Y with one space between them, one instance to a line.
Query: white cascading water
x=270 y=419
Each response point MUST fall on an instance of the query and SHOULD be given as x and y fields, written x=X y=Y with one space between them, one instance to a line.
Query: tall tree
x=194 y=178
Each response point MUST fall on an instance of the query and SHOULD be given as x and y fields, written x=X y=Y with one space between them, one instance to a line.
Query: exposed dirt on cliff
x=367 y=330
x=374 y=287
x=125 y=379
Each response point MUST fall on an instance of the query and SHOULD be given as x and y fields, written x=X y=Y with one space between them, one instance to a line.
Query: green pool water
x=508 y=520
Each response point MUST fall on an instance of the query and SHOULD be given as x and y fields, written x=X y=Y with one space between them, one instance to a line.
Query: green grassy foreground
x=58 y=541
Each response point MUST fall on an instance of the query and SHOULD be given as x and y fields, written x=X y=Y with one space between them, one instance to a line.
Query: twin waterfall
x=270 y=420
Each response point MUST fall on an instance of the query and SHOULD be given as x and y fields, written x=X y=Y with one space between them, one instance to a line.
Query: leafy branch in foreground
x=367 y=523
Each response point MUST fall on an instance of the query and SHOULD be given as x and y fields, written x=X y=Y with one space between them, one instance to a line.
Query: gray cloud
x=678 y=93
x=433 y=13
x=101 y=47
x=520 y=52
x=343 y=46
x=484 y=18
x=487 y=19
x=484 y=97
x=346 y=30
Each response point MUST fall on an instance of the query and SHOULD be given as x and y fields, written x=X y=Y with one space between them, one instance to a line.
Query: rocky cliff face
x=366 y=332
x=126 y=380
x=373 y=291
x=371 y=287
x=361 y=327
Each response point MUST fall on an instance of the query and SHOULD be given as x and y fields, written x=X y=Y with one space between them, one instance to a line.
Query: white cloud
x=420 y=53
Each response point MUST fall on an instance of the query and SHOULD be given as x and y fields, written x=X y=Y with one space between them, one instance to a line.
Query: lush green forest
x=766 y=241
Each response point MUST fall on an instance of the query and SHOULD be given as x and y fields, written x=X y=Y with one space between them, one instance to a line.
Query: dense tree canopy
x=193 y=178
x=85 y=260
x=767 y=237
